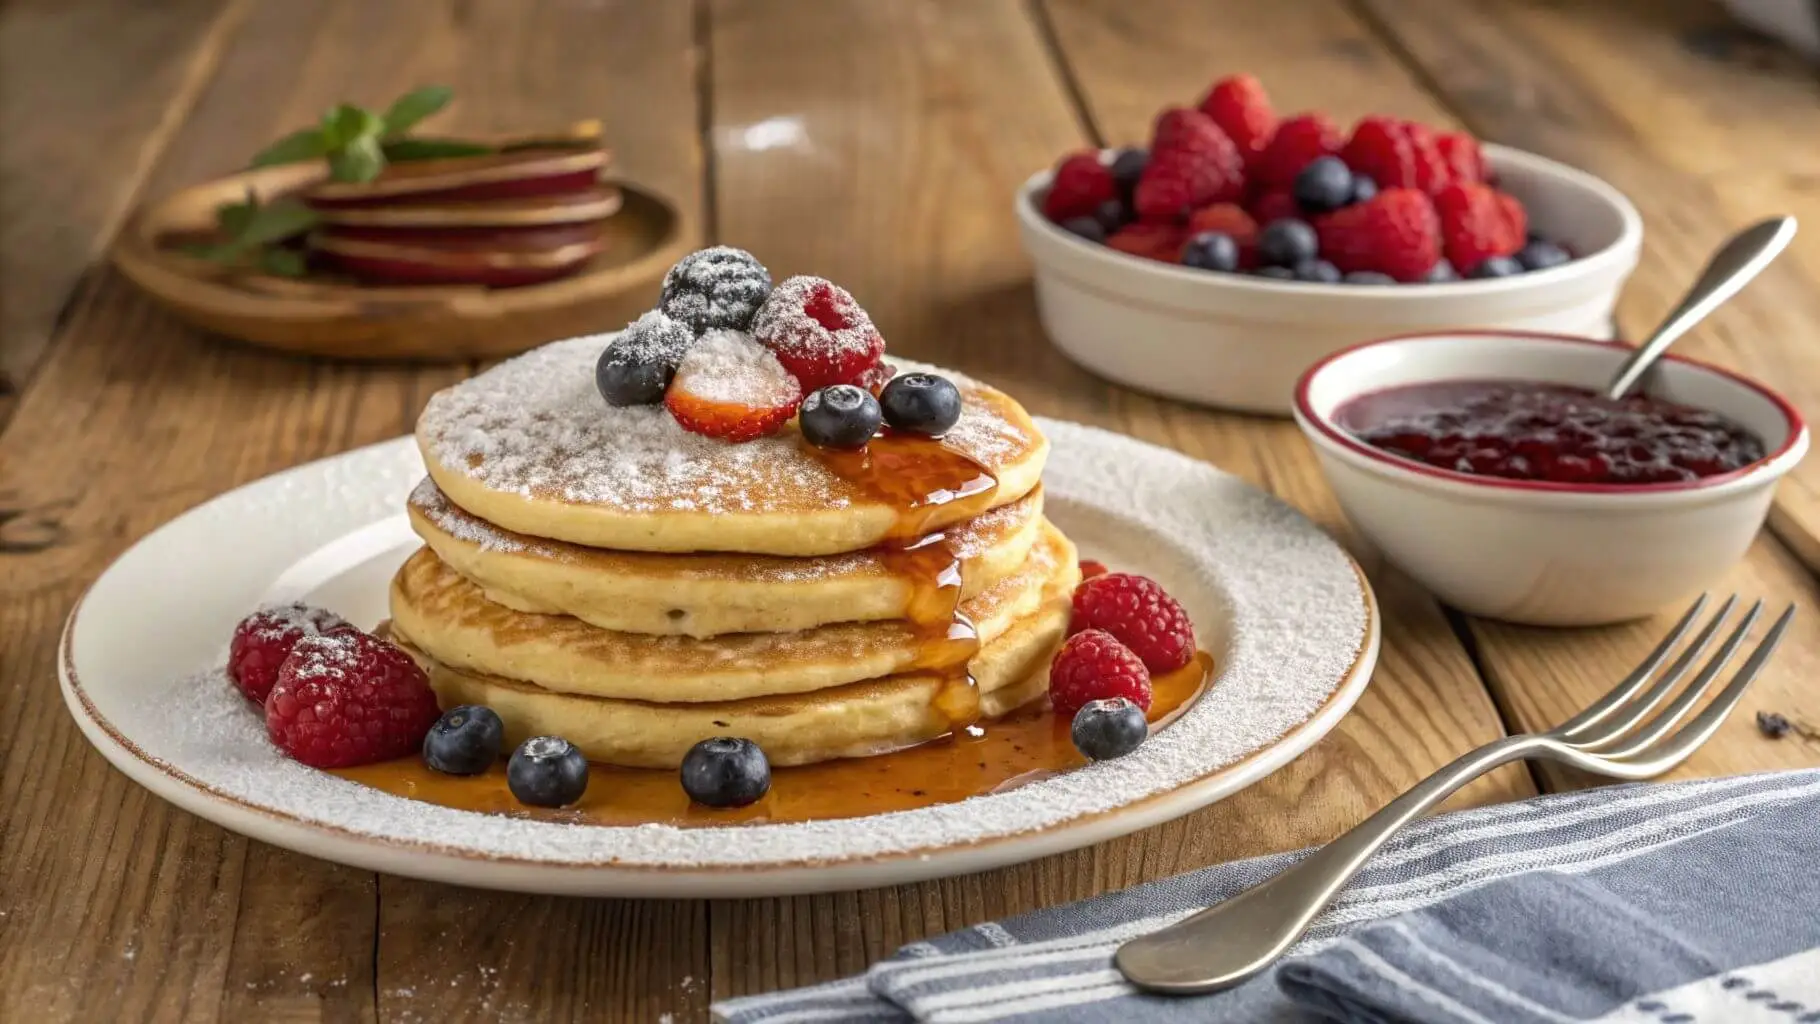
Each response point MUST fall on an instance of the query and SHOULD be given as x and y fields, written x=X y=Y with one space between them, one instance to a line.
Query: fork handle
x=1236 y=939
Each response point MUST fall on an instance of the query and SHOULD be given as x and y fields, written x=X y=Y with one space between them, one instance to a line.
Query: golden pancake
x=704 y=595
x=451 y=620
x=530 y=446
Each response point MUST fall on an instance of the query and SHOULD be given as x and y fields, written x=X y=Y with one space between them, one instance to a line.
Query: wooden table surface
x=876 y=141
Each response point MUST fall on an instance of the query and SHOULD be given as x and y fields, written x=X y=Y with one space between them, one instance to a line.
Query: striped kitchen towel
x=1684 y=903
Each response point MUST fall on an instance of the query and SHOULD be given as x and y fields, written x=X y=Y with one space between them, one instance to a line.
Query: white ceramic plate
x=1286 y=614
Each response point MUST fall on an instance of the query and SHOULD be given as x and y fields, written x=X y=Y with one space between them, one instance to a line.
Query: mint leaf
x=307 y=144
x=233 y=218
x=283 y=262
x=277 y=221
x=344 y=123
x=414 y=106
x=431 y=149
x=360 y=160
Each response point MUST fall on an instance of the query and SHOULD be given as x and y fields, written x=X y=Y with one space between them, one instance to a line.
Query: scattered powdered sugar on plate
x=1278 y=603
x=730 y=368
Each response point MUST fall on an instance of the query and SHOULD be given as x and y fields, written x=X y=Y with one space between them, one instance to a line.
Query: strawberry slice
x=731 y=387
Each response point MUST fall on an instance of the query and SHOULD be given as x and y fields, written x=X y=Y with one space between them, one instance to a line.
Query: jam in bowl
x=1552 y=433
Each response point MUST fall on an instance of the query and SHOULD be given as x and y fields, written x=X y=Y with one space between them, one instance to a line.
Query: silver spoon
x=1730 y=269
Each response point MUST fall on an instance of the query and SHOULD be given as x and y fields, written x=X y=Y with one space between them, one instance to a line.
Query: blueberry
x=1441 y=272
x=1127 y=166
x=464 y=741
x=637 y=367
x=547 y=771
x=725 y=772
x=1276 y=273
x=1112 y=215
x=1363 y=187
x=1540 y=255
x=839 y=416
x=921 y=403
x=1086 y=227
x=1211 y=250
x=718 y=288
x=1368 y=277
x=1496 y=266
x=1105 y=729
x=1317 y=270
x=1287 y=242
x=1325 y=184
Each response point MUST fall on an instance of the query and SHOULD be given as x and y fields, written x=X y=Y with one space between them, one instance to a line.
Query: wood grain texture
x=1569 y=81
x=879 y=144
x=90 y=94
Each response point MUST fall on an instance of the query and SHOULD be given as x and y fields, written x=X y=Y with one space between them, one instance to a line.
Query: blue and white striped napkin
x=1684 y=903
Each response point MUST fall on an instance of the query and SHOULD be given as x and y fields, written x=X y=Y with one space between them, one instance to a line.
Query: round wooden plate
x=426 y=324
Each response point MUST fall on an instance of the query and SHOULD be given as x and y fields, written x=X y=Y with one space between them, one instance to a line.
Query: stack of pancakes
x=599 y=574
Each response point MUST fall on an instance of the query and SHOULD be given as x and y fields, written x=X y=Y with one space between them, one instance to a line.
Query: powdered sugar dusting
x=275 y=620
x=1275 y=600
x=718 y=287
x=730 y=368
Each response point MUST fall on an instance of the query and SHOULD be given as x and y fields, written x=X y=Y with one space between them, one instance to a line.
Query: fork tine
x=1604 y=706
x=1658 y=727
x=1674 y=750
x=1626 y=718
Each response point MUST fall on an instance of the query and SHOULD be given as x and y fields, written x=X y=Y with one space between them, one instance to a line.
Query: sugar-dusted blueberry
x=1368 y=277
x=726 y=771
x=1319 y=271
x=718 y=288
x=1211 y=250
x=1287 y=242
x=1441 y=273
x=1541 y=254
x=1109 y=728
x=1085 y=227
x=1275 y=273
x=1496 y=266
x=1364 y=186
x=1127 y=167
x=921 y=403
x=547 y=771
x=839 y=416
x=1325 y=184
x=637 y=367
x=465 y=741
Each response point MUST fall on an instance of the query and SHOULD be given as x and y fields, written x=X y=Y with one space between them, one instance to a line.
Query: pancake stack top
x=600 y=572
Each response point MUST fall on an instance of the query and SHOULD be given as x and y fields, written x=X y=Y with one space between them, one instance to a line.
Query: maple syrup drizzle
x=1025 y=746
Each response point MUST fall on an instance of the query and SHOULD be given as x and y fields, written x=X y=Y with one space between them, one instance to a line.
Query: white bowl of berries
x=1237 y=249
x=1489 y=467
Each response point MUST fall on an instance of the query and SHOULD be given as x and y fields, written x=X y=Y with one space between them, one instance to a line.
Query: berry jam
x=1550 y=433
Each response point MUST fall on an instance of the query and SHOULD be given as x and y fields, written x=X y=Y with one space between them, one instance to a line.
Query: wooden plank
x=880 y=144
x=93 y=870
x=1608 y=115
x=89 y=96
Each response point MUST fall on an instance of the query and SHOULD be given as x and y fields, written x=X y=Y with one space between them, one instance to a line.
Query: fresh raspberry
x=1478 y=222
x=1239 y=105
x=1151 y=241
x=1395 y=232
x=1081 y=184
x=347 y=698
x=1093 y=665
x=729 y=386
x=1091 y=568
x=1192 y=163
x=1396 y=154
x=1231 y=220
x=264 y=639
x=1297 y=143
x=1274 y=204
x=1461 y=153
x=1137 y=611
x=875 y=379
x=818 y=332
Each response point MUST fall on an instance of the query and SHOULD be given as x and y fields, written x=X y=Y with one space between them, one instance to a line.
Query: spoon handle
x=1730 y=269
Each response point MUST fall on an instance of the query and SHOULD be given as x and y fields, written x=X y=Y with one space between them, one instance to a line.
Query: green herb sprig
x=255 y=235
x=359 y=143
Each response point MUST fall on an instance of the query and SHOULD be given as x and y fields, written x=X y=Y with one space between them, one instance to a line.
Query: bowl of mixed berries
x=1239 y=247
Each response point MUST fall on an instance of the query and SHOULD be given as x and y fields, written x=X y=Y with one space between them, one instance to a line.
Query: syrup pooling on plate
x=1025 y=746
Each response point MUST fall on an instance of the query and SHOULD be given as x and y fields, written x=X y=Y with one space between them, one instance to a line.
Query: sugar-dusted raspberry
x=1479 y=222
x=346 y=698
x=1081 y=184
x=731 y=387
x=264 y=639
x=1151 y=241
x=1192 y=163
x=1093 y=665
x=1395 y=232
x=717 y=288
x=818 y=333
x=1298 y=142
x=1143 y=617
x=1239 y=105
x=875 y=379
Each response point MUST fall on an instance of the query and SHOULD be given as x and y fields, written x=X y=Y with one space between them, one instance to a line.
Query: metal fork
x=1240 y=937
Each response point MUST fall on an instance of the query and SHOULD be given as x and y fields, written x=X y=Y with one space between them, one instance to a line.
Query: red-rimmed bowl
x=1534 y=552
